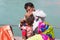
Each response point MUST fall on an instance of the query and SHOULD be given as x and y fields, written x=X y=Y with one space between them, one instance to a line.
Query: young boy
x=27 y=30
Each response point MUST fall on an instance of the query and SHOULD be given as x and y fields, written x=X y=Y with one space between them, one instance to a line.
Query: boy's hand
x=23 y=27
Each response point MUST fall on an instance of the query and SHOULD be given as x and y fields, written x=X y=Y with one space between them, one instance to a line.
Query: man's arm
x=42 y=15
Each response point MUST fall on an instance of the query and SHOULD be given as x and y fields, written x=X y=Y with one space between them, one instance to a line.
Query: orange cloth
x=6 y=33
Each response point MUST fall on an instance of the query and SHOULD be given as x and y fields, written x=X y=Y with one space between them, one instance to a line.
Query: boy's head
x=29 y=7
x=30 y=20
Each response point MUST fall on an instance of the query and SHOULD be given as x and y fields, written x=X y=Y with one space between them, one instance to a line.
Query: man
x=29 y=7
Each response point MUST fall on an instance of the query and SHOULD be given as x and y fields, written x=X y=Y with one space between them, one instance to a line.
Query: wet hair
x=30 y=20
x=28 y=4
x=22 y=23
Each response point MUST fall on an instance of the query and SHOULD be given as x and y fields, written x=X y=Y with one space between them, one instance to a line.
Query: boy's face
x=29 y=31
x=29 y=9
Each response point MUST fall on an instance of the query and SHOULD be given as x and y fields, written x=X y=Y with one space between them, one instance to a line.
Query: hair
x=30 y=20
x=22 y=22
x=28 y=4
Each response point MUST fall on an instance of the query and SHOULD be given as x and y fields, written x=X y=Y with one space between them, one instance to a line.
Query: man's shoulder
x=38 y=10
x=40 y=13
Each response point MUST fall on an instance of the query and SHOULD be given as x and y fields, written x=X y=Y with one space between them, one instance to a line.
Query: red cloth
x=24 y=33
